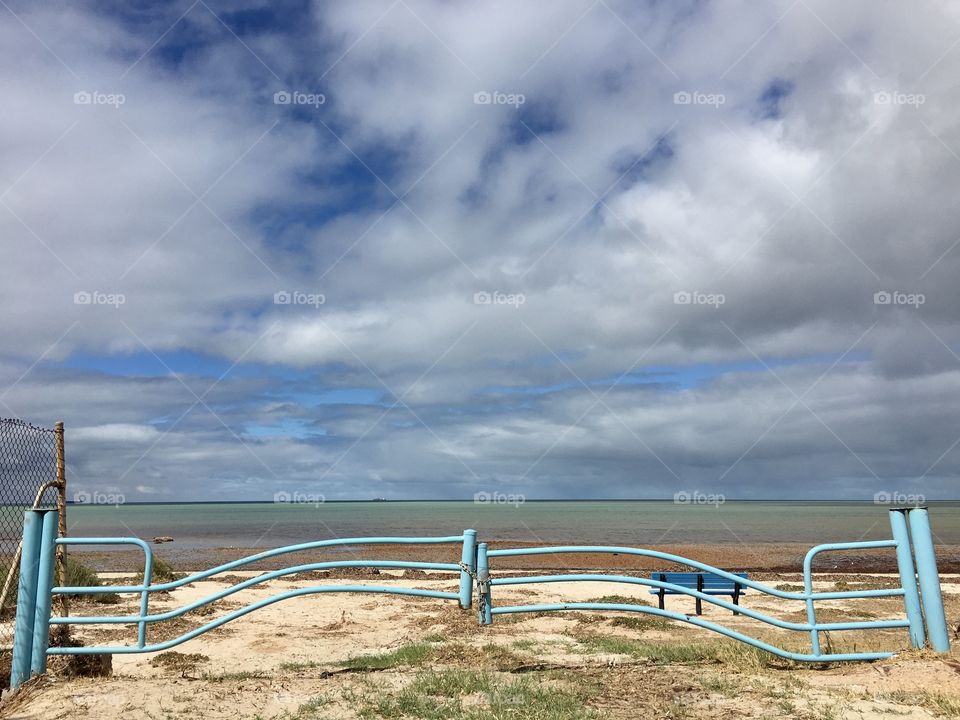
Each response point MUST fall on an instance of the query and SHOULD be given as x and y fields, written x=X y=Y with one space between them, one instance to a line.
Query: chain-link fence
x=31 y=475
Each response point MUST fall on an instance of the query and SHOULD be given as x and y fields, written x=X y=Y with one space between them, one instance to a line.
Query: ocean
x=620 y=522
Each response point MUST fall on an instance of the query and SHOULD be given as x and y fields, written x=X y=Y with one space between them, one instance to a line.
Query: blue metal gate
x=919 y=587
x=918 y=530
x=34 y=599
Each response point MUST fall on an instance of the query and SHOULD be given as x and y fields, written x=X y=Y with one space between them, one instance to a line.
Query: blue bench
x=704 y=582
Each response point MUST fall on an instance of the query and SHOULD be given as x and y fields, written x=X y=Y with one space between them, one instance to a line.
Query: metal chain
x=482 y=585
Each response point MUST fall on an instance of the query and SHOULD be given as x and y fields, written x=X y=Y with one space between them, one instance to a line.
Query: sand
x=287 y=660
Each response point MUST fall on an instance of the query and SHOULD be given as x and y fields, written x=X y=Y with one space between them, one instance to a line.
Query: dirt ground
x=375 y=656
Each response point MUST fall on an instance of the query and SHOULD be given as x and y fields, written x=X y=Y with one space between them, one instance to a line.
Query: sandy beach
x=365 y=656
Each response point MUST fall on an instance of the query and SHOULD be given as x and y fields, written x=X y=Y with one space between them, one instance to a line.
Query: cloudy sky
x=423 y=249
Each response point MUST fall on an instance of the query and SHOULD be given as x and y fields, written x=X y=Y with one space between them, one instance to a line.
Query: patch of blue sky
x=287 y=17
x=340 y=396
x=203 y=25
x=344 y=188
x=769 y=104
x=635 y=167
x=516 y=404
x=531 y=389
x=301 y=386
x=530 y=120
x=691 y=376
x=678 y=378
x=146 y=364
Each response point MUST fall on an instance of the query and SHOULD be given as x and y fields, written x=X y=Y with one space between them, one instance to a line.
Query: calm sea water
x=586 y=522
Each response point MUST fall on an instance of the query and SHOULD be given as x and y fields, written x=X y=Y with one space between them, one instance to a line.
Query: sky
x=425 y=249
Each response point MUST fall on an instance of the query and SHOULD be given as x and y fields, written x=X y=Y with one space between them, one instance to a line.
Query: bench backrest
x=689 y=579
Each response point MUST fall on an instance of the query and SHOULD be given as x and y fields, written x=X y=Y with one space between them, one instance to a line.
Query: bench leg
x=736 y=597
x=700 y=589
x=663 y=578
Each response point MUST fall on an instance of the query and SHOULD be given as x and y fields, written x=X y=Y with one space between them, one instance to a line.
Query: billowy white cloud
x=114 y=433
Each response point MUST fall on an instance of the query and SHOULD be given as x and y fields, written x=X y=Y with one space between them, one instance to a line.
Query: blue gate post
x=811 y=611
x=26 y=598
x=908 y=576
x=929 y=580
x=41 y=622
x=483 y=576
x=468 y=558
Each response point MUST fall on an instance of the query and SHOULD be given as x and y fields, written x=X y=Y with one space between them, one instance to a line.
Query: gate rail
x=919 y=588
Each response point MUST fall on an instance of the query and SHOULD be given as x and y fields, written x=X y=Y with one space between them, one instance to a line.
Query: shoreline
x=757 y=558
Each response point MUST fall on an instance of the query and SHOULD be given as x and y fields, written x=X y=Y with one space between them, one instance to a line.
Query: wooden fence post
x=62 y=522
